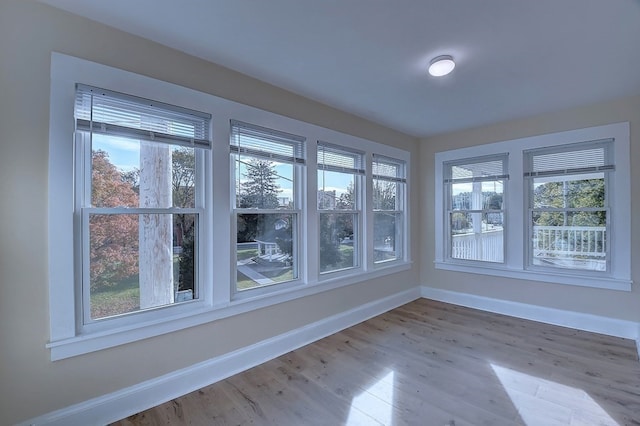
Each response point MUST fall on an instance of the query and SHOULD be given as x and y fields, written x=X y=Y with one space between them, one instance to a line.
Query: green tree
x=261 y=189
x=329 y=242
x=113 y=246
x=585 y=193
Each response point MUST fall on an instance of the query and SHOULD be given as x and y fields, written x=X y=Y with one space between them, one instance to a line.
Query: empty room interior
x=319 y=213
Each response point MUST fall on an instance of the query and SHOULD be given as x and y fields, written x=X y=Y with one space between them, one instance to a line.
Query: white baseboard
x=577 y=320
x=125 y=402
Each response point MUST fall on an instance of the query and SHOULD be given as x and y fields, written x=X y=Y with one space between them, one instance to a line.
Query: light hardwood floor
x=428 y=363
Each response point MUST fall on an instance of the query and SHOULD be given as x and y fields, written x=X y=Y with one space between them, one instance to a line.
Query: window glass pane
x=337 y=241
x=140 y=261
x=131 y=173
x=266 y=249
x=477 y=195
x=385 y=195
x=578 y=191
x=477 y=236
x=573 y=240
x=263 y=184
x=336 y=191
x=387 y=236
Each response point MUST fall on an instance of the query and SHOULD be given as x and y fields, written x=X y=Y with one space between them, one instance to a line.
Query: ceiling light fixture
x=441 y=65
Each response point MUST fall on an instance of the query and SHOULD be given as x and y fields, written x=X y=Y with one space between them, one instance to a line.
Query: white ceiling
x=515 y=58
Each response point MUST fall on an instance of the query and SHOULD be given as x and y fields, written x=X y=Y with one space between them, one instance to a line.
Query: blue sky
x=124 y=153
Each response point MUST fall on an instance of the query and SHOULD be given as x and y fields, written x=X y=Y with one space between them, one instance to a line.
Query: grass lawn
x=117 y=299
x=281 y=275
x=123 y=296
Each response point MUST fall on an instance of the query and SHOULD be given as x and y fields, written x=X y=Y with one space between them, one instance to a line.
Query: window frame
x=516 y=240
x=608 y=171
x=84 y=208
x=359 y=185
x=401 y=200
x=67 y=339
x=448 y=182
x=298 y=165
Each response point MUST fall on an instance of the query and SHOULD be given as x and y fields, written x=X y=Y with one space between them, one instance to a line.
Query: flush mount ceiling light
x=441 y=65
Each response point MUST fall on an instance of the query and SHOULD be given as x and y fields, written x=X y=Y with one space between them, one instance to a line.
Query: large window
x=178 y=211
x=389 y=188
x=475 y=211
x=138 y=202
x=267 y=204
x=551 y=208
x=340 y=173
x=568 y=206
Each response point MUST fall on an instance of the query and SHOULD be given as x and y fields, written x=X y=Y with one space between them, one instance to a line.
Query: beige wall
x=614 y=304
x=30 y=384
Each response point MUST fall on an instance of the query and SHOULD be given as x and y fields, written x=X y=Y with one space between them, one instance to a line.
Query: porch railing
x=553 y=242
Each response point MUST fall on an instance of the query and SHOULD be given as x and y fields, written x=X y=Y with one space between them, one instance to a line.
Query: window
x=340 y=173
x=550 y=208
x=389 y=181
x=267 y=204
x=568 y=206
x=155 y=227
x=138 y=202
x=475 y=211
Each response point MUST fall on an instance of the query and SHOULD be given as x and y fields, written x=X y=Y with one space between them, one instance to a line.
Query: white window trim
x=515 y=265
x=448 y=201
x=381 y=157
x=359 y=240
x=66 y=339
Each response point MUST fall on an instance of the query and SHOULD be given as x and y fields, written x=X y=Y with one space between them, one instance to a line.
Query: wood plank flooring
x=428 y=363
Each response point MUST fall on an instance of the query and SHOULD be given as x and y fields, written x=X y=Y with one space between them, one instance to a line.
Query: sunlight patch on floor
x=373 y=405
x=546 y=403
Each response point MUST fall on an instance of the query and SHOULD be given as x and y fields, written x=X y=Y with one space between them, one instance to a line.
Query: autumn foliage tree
x=113 y=248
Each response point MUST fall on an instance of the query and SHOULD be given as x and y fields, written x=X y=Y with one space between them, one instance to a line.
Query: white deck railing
x=554 y=242
x=485 y=246
x=570 y=241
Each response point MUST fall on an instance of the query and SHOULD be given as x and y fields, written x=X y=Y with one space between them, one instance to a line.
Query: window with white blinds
x=550 y=208
x=103 y=111
x=262 y=142
x=569 y=212
x=267 y=168
x=584 y=158
x=170 y=228
x=339 y=159
x=340 y=182
x=139 y=203
x=389 y=192
x=475 y=208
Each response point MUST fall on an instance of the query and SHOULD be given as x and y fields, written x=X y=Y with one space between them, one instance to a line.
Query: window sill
x=607 y=283
x=87 y=343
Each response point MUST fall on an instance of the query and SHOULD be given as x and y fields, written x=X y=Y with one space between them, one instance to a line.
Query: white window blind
x=569 y=160
x=107 y=112
x=388 y=169
x=486 y=170
x=337 y=159
x=257 y=141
